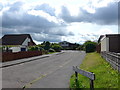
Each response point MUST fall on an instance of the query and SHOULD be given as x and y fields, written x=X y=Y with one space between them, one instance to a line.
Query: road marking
x=35 y=80
x=30 y=83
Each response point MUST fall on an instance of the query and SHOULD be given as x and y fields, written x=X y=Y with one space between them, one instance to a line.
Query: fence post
x=91 y=85
x=76 y=77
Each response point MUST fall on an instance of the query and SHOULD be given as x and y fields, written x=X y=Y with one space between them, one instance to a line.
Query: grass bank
x=106 y=76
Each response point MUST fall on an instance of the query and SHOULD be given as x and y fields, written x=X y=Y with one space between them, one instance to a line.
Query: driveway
x=49 y=72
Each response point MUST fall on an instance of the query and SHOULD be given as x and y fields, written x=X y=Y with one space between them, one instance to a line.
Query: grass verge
x=106 y=76
x=52 y=52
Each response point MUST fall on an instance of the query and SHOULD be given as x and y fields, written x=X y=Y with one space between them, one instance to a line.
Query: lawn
x=105 y=75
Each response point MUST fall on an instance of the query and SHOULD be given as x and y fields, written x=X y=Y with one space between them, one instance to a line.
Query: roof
x=68 y=43
x=64 y=41
x=15 y=39
x=100 y=38
x=108 y=35
x=112 y=35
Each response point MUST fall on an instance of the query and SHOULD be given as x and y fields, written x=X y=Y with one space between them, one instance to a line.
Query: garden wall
x=9 y=56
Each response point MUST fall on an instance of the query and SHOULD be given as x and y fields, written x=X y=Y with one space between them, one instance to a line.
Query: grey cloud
x=119 y=17
x=65 y=14
x=47 y=8
x=108 y=15
x=16 y=6
x=22 y=18
x=90 y=36
x=82 y=17
x=103 y=16
x=8 y=30
x=16 y=20
x=46 y=37
x=1 y=6
x=11 y=19
x=71 y=34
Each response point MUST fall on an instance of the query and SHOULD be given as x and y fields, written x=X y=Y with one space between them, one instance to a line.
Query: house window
x=23 y=49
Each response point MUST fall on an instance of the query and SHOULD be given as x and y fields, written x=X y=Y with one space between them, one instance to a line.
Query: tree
x=47 y=45
x=40 y=46
x=90 y=46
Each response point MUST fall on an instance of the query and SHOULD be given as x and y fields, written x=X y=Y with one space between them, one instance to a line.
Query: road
x=49 y=72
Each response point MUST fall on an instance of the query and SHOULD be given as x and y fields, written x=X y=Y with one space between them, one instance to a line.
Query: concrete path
x=50 y=72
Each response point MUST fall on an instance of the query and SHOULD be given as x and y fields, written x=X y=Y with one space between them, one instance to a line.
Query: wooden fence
x=90 y=75
x=112 y=58
x=9 y=56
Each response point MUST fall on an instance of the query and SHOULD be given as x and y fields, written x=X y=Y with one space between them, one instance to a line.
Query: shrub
x=56 y=47
x=90 y=48
x=47 y=45
x=51 y=50
x=45 y=52
x=33 y=48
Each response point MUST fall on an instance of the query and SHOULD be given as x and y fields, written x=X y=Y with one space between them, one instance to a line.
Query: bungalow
x=109 y=43
x=68 y=45
x=16 y=42
x=64 y=44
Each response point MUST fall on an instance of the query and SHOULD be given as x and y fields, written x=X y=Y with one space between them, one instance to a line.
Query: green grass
x=51 y=52
x=105 y=75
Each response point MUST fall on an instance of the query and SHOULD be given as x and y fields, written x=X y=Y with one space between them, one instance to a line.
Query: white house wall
x=64 y=44
x=105 y=44
x=16 y=49
x=25 y=43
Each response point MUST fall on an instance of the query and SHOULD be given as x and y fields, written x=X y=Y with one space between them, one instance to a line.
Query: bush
x=33 y=48
x=41 y=49
x=56 y=47
x=45 y=51
x=90 y=48
x=47 y=45
x=51 y=50
x=80 y=47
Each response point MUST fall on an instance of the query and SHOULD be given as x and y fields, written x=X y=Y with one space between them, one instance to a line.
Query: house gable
x=110 y=42
x=16 y=39
x=16 y=42
x=26 y=42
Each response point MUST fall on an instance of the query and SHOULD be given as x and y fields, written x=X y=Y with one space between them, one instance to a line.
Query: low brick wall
x=8 y=56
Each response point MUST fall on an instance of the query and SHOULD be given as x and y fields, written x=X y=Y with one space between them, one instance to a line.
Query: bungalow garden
x=46 y=47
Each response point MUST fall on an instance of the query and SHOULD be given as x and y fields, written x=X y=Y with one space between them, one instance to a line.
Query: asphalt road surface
x=49 y=72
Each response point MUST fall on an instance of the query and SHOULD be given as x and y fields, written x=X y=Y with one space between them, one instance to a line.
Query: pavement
x=47 y=71
x=19 y=61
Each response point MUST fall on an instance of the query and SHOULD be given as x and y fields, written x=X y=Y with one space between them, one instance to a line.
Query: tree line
x=46 y=46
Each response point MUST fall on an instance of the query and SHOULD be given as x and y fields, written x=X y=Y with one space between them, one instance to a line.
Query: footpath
x=16 y=62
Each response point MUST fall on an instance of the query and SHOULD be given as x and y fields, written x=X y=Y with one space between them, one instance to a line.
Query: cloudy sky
x=59 y=20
